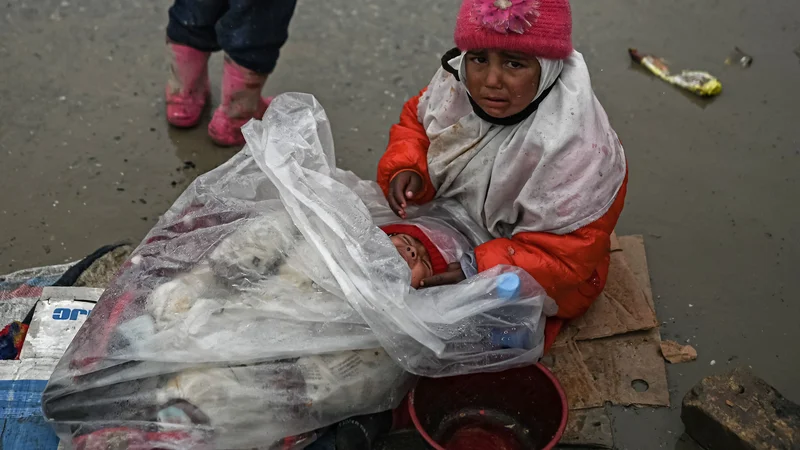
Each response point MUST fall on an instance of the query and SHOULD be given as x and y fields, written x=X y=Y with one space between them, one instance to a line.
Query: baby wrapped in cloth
x=267 y=268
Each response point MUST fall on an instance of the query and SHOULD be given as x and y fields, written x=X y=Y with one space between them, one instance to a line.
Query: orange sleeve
x=407 y=150
x=572 y=268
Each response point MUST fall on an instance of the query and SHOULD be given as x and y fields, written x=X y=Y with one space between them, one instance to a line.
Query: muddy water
x=86 y=158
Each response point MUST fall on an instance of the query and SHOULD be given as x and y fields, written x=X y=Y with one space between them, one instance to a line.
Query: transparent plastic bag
x=266 y=304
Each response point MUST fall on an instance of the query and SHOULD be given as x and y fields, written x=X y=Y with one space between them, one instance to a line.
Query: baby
x=420 y=253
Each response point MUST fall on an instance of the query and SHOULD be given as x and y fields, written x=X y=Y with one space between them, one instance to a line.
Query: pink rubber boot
x=241 y=101
x=187 y=86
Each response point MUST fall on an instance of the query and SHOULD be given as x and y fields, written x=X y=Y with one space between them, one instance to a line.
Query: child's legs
x=192 y=23
x=252 y=32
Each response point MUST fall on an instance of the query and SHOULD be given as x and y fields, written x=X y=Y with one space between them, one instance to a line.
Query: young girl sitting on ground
x=511 y=129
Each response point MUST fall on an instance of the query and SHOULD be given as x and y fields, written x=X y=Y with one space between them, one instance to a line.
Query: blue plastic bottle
x=512 y=337
x=508 y=288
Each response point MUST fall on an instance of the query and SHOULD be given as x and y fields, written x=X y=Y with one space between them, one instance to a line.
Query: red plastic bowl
x=526 y=406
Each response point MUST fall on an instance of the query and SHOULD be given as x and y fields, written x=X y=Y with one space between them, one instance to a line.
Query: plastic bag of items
x=268 y=303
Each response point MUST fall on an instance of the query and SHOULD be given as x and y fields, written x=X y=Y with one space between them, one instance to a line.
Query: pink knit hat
x=534 y=27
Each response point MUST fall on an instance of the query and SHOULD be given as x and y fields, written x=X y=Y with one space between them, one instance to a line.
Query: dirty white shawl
x=556 y=171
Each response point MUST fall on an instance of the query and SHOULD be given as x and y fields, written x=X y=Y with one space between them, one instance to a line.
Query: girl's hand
x=404 y=186
x=454 y=275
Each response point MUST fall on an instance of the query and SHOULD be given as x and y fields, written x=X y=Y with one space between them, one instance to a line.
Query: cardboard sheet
x=566 y=362
x=623 y=365
x=676 y=353
x=589 y=428
x=58 y=316
x=622 y=307
x=613 y=353
x=611 y=369
x=635 y=255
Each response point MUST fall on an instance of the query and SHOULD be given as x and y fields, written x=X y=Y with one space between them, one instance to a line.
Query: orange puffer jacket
x=572 y=268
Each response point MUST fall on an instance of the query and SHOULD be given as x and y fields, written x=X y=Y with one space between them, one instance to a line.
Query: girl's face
x=502 y=83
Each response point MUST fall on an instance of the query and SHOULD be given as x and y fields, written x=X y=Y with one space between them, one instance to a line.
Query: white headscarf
x=556 y=171
x=551 y=69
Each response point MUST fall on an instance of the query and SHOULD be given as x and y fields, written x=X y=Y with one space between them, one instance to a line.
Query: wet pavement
x=86 y=158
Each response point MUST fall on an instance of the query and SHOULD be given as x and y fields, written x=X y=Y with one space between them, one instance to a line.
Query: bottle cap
x=508 y=286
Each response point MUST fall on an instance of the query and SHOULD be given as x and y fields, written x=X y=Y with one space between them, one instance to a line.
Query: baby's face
x=415 y=255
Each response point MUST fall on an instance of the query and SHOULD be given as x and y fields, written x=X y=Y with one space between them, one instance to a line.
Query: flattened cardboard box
x=58 y=316
x=612 y=353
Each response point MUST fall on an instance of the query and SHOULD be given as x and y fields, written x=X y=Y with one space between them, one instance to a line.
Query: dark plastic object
x=516 y=409
x=359 y=433
x=401 y=440
x=325 y=442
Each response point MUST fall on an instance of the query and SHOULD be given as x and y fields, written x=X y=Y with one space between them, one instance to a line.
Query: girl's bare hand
x=404 y=186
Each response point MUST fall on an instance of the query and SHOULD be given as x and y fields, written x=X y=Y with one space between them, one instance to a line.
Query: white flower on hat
x=504 y=16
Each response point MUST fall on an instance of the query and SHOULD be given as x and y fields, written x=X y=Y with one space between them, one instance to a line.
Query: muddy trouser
x=251 y=32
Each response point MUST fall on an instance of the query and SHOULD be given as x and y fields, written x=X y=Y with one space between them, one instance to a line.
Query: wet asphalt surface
x=86 y=157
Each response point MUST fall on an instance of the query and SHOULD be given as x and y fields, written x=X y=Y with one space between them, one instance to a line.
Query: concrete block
x=739 y=411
